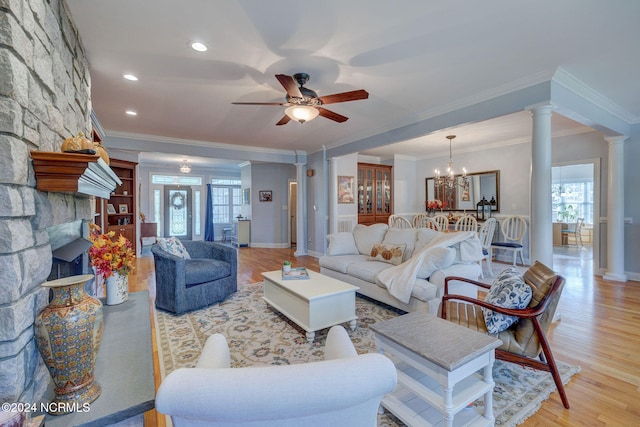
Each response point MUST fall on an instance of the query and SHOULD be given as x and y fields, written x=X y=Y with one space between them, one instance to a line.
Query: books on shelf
x=298 y=273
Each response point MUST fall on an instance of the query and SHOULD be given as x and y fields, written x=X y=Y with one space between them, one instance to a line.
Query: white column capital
x=620 y=139
x=541 y=109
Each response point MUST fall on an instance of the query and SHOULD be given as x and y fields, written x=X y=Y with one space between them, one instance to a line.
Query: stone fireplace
x=44 y=98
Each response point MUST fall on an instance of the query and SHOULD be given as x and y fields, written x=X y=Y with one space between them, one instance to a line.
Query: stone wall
x=44 y=98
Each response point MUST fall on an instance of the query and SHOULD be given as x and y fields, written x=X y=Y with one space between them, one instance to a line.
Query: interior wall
x=269 y=220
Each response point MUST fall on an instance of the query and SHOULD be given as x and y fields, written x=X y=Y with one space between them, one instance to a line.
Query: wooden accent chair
x=425 y=221
x=524 y=342
x=575 y=232
x=397 y=221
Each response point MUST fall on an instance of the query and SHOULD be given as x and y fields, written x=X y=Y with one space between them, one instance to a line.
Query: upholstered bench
x=206 y=274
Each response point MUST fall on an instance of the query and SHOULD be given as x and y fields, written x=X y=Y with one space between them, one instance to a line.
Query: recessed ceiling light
x=130 y=77
x=200 y=47
x=131 y=113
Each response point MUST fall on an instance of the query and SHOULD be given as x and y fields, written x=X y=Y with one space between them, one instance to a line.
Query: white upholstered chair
x=442 y=220
x=425 y=221
x=486 y=237
x=513 y=229
x=397 y=221
x=344 y=389
x=466 y=223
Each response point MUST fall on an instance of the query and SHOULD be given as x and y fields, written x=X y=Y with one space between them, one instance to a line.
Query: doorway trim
x=597 y=220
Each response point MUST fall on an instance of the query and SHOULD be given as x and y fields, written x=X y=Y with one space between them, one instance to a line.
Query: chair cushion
x=202 y=270
x=508 y=291
x=393 y=254
x=342 y=243
x=540 y=278
x=507 y=244
x=174 y=246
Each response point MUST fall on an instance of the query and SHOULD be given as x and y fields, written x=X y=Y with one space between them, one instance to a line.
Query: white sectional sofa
x=404 y=268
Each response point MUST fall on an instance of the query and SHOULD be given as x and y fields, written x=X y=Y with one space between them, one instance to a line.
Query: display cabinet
x=375 y=193
x=120 y=211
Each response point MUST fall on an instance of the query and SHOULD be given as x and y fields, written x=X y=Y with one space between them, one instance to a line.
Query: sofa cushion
x=202 y=270
x=367 y=270
x=340 y=263
x=435 y=259
x=508 y=291
x=173 y=246
x=393 y=254
x=342 y=243
x=424 y=290
x=397 y=236
x=423 y=237
x=368 y=235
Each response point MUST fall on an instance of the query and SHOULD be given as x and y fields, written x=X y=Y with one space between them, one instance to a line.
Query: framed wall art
x=265 y=195
x=111 y=209
x=123 y=208
x=345 y=189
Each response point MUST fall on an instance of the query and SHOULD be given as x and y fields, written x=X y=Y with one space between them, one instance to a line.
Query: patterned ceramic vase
x=117 y=288
x=68 y=333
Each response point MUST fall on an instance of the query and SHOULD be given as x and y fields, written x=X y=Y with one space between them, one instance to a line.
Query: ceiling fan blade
x=283 y=121
x=289 y=85
x=331 y=115
x=345 y=96
x=259 y=103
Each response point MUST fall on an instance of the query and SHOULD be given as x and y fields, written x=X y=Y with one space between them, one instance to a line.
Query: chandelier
x=449 y=179
x=185 y=167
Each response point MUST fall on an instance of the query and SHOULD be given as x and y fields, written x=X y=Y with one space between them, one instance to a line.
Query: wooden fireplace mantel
x=73 y=173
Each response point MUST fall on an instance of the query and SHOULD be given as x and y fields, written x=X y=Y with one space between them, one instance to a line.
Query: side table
x=438 y=363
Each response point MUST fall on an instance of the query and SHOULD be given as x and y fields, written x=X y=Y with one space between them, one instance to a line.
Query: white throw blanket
x=399 y=280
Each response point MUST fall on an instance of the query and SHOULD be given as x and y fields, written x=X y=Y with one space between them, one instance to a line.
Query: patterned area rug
x=258 y=335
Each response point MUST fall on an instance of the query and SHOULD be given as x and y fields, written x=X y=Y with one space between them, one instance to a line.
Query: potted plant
x=567 y=213
x=286 y=266
x=113 y=258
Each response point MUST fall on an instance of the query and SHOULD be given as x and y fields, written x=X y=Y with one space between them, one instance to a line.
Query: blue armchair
x=210 y=276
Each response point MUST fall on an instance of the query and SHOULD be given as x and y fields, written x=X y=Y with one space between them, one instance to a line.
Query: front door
x=177 y=212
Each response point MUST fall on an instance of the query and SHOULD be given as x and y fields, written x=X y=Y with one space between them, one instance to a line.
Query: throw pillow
x=435 y=259
x=388 y=253
x=508 y=291
x=424 y=237
x=174 y=246
x=368 y=235
x=342 y=243
x=397 y=236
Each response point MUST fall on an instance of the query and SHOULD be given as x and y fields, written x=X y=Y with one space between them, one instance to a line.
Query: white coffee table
x=313 y=304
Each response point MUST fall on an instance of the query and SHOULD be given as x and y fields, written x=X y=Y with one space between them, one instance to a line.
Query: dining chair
x=485 y=234
x=425 y=221
x=575 y=232
x=513 y=229
x=397 y=221
x=442 y=220
x=466 y=223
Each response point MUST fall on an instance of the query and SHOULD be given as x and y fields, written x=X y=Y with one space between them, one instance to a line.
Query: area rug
x=258 y=335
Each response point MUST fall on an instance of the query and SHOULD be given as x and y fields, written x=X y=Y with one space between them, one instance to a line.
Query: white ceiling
x=413 y=57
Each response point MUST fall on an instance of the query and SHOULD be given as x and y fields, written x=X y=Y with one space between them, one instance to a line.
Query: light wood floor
x=598 y=330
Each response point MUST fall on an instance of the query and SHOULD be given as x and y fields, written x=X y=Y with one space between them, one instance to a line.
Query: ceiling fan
x=304 y=104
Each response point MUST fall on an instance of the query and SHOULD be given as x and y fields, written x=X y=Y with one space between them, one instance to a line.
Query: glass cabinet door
x=369 y=191
x=386 y=191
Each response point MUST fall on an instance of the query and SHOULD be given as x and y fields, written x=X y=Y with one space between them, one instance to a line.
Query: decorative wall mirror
x=461 y=196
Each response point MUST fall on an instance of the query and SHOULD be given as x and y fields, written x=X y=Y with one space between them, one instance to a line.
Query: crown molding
x=569 y=81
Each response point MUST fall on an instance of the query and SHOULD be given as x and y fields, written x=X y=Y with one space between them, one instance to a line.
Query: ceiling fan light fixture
x=301 y=113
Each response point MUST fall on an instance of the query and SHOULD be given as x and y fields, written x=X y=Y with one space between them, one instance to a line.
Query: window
x=572 y=195
x=226 y=195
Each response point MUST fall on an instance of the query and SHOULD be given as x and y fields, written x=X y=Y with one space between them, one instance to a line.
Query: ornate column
x=301 y=208
x=540 y=221
x=615 y=210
